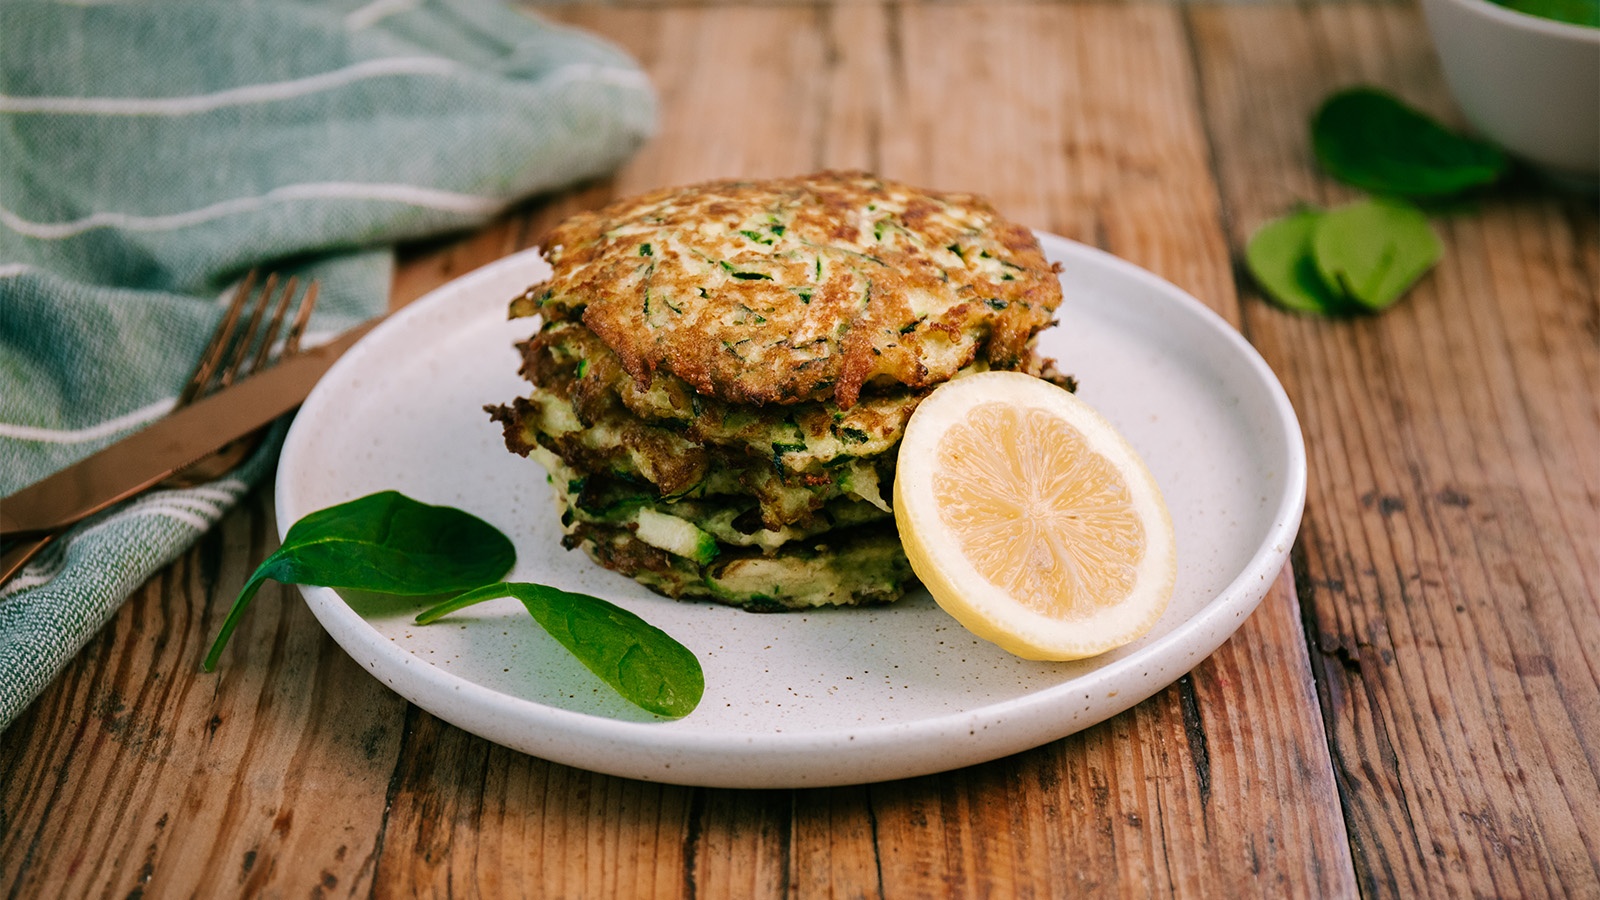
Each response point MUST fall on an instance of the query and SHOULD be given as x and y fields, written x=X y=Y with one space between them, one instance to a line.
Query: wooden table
x=1413 y=710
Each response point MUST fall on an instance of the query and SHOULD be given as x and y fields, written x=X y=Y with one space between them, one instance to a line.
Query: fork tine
x=224 y=338
x=241 y=348
x=302 y=316
x=212 y=356
x=270 y=334
x=230 y=455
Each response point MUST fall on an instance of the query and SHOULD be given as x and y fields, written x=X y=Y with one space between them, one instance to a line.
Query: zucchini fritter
x=723 y=373
x=803 y=288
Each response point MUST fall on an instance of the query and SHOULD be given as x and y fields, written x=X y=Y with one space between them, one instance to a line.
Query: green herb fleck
x=645 y=250
x=743 y=276
x=640 y=661
x=779 y=448
x=387 y=543
x=996 y=303
x=1368 y=138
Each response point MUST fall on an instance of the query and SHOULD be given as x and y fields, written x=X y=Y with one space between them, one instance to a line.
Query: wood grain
x=135 y=773
x=1437 y=633
x=1451 y=552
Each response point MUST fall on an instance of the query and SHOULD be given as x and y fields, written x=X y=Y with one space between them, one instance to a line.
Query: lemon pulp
x=1031 y=519
x=1037 y=511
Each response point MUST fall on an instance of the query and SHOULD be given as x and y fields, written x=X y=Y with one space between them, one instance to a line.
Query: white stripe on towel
x=94 y=432
x=225 y=490
x=167 y=512
x=375 y=12
x=274 y=91
x=184 y=503
x=432 y=198
x=240 y=96
x=589 y=72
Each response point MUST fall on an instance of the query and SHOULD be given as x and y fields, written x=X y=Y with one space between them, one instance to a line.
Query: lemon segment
x=1031 y=520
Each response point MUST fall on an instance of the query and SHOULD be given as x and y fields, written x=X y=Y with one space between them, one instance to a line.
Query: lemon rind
x=985 y=609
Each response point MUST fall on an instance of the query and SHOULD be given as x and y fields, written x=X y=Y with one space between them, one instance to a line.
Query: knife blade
x=147 y=457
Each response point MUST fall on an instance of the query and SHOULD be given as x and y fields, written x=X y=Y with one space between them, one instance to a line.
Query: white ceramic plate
x=794 y=699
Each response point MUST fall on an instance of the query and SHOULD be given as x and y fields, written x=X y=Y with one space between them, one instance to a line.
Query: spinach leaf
x=1279 y=256
x=385 y=542
x=1573 y=12
x=1363 y=256
x=642 y=662
x=1368 y=138
x=1373 y=251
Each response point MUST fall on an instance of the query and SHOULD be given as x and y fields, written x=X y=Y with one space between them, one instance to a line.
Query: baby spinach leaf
x=1370 y=139
x=642 y=662
x=1573 y=12
x=385 y=542
x=1279 y=257
x=1373 y=251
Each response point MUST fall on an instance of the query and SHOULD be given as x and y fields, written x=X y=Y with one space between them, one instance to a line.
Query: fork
x=231 y=355
x=241 y=345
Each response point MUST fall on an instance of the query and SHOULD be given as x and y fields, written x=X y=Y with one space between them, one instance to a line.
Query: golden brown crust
x=810 y=288
x=576 y=413
x=743 y=357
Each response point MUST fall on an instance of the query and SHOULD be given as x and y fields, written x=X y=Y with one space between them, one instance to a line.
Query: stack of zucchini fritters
x=724 y=371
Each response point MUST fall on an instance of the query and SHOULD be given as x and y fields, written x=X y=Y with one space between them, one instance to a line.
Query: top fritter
x=798 y=289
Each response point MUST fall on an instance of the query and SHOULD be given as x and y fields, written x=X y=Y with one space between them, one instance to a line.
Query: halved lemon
x=1031 y=519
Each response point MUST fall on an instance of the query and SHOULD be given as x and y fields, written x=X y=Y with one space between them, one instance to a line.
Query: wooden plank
x=909 y=92
x=1067 y=169
x=1452 y=554
x=1080 y=119
x=134 y=772
x=471 y=818
x=1196 y=788
x=423 y=267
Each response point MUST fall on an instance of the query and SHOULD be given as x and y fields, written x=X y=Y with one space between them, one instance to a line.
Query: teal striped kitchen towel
x=152 y=151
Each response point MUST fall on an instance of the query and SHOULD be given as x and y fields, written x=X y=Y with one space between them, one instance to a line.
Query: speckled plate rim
x=819 y=757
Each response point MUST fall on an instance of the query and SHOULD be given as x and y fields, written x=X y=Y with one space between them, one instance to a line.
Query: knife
x=148 y=457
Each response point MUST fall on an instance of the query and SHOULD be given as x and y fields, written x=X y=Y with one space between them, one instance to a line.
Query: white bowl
x=1529 y=84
